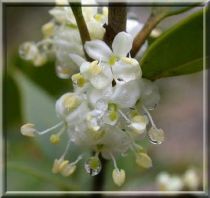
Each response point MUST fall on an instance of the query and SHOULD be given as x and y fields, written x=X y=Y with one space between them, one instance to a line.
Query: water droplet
x=93 y=166
x=156 y=136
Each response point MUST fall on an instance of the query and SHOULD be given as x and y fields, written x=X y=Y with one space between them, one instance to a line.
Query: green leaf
x=178 y=51
x=44 y=76
x=165 y=11
x=12 y=102
x=43 y=176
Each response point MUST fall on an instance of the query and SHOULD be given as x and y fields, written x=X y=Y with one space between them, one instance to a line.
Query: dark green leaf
x=11 y=102
x=178 y=51
x=45 y=77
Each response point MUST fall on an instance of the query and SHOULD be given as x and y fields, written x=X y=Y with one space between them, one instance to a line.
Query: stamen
x=114 y=161
x=124 y=116
x=50 y=129
x=66 y=149
x=149 y=116
x=77 y=160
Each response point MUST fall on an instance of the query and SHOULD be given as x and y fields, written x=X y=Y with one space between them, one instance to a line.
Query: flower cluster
x=108 y=110
x=190 y=180
x=61 y=37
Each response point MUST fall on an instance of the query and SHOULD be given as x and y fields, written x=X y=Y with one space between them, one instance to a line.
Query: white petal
x=78 y=115
x=122 y=44
x=95 y=95
x=96 y=30
x=100 y=81
x=84 y=70
x=126 y=94
x=126 y=71
x=103 y=79
x=133 y=27
x=98 y=50
x=115 y=141
x=77 y=59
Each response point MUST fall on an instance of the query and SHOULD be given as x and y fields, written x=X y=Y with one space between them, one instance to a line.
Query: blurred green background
x=30 y=94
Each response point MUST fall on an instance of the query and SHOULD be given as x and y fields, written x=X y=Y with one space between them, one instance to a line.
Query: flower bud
x=143 y=160
x=54 y=139
x=28 y=50
x=28 y=130
x=48 y=29
x=191 y=179
x=40 y=59
x=118 y=176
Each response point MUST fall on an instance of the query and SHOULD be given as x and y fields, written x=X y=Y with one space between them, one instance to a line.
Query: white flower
x=121 y=46
x=72 y=108
x=98 y=74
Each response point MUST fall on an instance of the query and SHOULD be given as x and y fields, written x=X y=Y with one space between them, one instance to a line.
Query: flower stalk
x=143 y=34
x=116 y=21
x=81 y=24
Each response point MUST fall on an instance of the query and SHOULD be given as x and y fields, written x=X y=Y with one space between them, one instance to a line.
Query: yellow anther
x=78 y=79
x=140 y=119
x=131 y=61
x=98 y=17
x=143 y=160
x=28 y=130
x=112 y=107
x=68 y=170
x=112 y=59
x=95 y=68
x=48 y=29
x=113 y=115
x=71 y=102
x=62 y=165
x=55 y=139
x=118 y=177
x=59 y=165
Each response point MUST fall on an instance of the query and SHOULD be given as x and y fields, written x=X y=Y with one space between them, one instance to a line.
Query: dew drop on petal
x=156 y=136
x=93 y=166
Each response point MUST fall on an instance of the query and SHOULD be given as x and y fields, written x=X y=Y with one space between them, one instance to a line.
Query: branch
x=116 y=21
x=144 y=33
x=81 y=24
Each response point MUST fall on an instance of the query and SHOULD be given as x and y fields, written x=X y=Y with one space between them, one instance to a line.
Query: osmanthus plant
x=112 y=64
